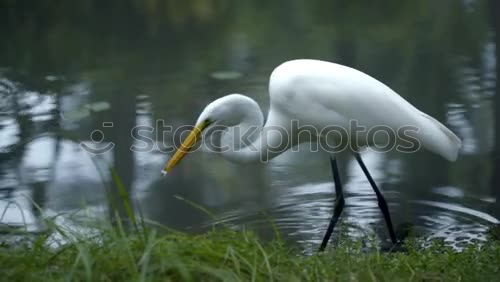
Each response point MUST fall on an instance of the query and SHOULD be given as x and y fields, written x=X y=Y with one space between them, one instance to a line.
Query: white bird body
x=317 y=94
x=324 y=94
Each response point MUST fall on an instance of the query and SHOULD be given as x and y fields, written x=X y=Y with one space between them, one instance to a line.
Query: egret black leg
x=382 y=204
x=339 y=203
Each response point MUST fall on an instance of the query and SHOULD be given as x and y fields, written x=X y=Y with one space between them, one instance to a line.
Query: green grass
x=223 y=254
x=142 y=254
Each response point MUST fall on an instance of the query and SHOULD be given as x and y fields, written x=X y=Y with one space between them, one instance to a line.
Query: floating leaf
x=226 y=75
x=51 y=78
x=142 y=97
x=85 y=110
x=77 y=114
x=99 y=106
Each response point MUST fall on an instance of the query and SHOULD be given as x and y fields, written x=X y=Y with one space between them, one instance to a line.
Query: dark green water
x=68 y=68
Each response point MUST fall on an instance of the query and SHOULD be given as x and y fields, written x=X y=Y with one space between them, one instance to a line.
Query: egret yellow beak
x=185 y=147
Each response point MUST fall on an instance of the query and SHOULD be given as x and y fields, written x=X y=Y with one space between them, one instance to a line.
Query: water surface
x=68 y=69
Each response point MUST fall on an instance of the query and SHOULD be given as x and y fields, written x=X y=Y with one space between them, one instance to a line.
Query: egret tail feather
x=438 y=138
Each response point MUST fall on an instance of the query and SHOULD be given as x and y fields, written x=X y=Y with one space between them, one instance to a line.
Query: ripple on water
x=302 y=213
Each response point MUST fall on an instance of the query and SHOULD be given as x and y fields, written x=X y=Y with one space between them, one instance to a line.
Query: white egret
x=317 y=94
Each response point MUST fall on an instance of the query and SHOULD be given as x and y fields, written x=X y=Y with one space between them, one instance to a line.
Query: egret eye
x=207 y=122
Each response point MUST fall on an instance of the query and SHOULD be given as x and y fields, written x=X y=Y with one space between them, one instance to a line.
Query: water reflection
x=61 y=77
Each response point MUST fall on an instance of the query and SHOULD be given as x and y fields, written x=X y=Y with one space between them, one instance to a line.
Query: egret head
x=226 y=111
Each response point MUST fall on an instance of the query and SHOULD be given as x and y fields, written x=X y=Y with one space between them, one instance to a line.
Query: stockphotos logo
x=333 y=139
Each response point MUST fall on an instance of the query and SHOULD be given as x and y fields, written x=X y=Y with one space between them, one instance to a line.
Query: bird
x=317 y=95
